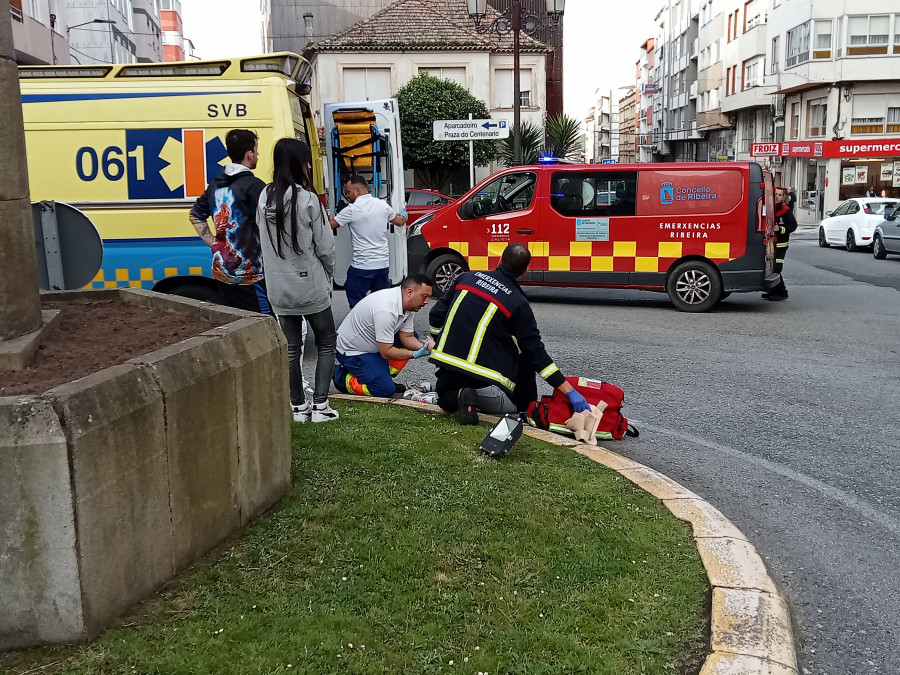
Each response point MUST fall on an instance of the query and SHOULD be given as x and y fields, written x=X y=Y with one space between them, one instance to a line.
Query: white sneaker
x=422 y=397
x=414 y=389
x=301 y=413
x=323 y=412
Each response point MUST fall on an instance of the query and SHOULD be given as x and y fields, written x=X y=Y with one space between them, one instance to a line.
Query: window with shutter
x=868 y=114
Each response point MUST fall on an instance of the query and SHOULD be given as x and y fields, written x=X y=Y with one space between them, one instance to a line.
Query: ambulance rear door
x=364 y=138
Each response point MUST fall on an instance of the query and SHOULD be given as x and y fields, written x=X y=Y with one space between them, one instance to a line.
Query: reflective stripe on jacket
x=483 y=325
x=785 y=224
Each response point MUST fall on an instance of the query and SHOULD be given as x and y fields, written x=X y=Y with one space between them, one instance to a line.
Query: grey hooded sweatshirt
x=299 y=284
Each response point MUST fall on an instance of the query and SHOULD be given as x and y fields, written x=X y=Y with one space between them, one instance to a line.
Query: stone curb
x=751 y=631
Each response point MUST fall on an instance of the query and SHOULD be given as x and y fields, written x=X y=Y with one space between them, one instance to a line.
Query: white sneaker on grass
x=301 y=413
x=323 y=412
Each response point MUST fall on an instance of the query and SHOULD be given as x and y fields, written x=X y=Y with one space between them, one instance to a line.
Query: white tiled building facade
x=818 y=83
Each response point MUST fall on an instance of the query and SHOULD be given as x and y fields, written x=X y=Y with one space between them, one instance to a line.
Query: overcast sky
x=602 y=40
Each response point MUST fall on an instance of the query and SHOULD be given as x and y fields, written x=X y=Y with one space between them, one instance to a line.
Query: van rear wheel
x=443 y=270
x=694 y=286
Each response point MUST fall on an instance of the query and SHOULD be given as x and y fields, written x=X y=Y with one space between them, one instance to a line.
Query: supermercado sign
x=869 y=147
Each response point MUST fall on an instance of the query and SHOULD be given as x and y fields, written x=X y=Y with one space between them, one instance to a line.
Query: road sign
x=69 y=249
x=607 y=160
x=470 y=130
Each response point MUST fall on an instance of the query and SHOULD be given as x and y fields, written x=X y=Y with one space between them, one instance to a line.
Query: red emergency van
x=697 y=231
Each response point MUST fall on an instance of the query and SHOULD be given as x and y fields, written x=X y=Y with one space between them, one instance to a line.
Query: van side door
x=589 y=227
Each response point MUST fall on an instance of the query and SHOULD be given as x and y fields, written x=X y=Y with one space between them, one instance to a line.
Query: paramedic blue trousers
x=368 y=374
x=360 y=282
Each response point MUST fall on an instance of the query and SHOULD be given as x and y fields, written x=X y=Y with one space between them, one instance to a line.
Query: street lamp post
x=512 y=20
x=87 y=23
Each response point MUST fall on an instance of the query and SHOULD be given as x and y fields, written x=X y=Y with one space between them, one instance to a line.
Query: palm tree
x=562 y=136
x=531 y=146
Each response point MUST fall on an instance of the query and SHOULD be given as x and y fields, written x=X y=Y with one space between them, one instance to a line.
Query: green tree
x=423 y=100
x=532 y=145
x=562 y=136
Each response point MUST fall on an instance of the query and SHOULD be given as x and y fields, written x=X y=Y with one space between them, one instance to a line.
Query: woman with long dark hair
x=298 y=262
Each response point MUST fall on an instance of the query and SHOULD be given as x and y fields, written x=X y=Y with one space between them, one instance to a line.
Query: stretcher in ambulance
x=697 y=232
x=364 y=138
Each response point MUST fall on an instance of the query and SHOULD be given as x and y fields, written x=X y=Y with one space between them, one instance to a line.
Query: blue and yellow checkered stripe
x=140 y=277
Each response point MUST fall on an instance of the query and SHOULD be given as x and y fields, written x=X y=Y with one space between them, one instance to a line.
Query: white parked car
x=853 y=222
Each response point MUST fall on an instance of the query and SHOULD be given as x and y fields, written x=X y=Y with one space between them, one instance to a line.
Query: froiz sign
x=470 y=130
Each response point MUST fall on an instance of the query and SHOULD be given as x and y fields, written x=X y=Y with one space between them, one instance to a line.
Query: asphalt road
x=784 y=415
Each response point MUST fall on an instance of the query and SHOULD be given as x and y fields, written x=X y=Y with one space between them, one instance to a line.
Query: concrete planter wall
x=111 y=484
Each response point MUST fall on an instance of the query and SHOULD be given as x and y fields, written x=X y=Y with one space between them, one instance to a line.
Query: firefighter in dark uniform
x=785 y=223
x=488 y=346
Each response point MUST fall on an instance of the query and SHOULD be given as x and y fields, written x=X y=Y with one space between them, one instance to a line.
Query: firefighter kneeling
x=488 y=346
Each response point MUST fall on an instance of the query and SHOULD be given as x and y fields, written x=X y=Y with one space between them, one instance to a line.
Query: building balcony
x=754 y=97
x=692 y=92
x=694 y=49
x=31 y=43
x=712 y=119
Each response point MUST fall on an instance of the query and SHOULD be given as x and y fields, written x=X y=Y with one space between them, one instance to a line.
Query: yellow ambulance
x=134 y=145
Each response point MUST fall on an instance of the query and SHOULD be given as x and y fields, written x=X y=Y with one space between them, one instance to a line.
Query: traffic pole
x=20 y=302
x=471 y=161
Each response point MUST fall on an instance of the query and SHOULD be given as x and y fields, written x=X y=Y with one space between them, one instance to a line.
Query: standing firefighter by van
x=785 y=224
x=230 y=199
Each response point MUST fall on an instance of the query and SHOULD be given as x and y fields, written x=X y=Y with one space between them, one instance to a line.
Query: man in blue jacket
x=488 y=346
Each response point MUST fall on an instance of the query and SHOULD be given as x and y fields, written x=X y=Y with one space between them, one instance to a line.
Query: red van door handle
x=525 y=231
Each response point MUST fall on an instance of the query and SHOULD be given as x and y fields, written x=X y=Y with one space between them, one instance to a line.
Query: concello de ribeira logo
x=666 y=193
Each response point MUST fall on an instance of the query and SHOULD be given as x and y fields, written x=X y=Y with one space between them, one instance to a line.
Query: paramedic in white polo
x=368 y=218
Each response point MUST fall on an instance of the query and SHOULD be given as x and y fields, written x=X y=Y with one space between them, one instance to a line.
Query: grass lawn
x=401 y=550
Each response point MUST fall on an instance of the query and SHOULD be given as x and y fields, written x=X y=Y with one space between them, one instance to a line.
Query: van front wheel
x=443 y=270
x=694 y=286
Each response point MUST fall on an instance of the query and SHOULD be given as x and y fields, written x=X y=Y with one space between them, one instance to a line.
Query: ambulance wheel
x=694 y=286
x=444 y=269
x=197 y=292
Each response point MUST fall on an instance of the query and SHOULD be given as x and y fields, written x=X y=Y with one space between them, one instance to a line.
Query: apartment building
x=836 y=70
x=39 y=31
x=747 y=97
x=675 y=103
x=712 y=122
x=628 y=125
x=114 y=31
x=648 y=126
x=602 y=129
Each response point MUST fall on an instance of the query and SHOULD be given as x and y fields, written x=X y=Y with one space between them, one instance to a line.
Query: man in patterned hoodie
x=230 y=200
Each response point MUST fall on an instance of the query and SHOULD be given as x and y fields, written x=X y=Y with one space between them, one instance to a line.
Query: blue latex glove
x=578 y=402
x=422 y=351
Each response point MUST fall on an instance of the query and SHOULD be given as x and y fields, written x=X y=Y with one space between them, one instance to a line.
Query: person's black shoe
x=779 y=296
x=466 y=413
x=767 y=295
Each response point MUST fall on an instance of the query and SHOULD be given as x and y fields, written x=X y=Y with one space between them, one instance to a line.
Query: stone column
x=20 y=304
